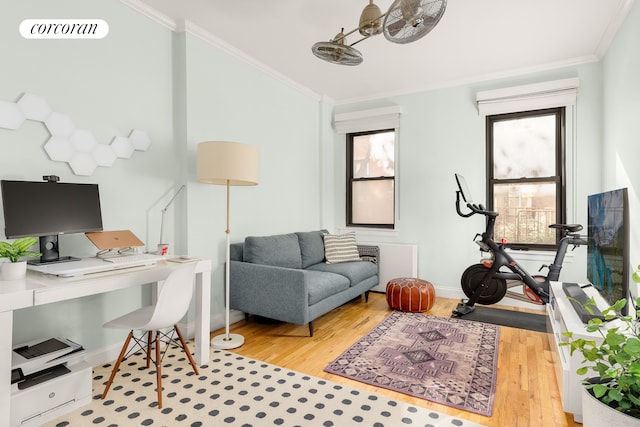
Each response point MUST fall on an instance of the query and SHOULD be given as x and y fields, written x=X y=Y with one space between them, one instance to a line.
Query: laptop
x=94 y=265
x=105 y=240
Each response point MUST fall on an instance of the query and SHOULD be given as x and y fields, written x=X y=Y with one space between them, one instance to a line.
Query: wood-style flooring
x=526 y=394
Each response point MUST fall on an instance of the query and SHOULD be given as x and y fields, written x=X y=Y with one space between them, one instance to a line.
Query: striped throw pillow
x=340 y=248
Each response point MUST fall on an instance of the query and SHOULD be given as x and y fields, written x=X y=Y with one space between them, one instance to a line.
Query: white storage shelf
x=562 y=318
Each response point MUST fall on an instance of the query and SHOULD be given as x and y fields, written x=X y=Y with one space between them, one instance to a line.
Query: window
x=371 y=179
x=525 y=168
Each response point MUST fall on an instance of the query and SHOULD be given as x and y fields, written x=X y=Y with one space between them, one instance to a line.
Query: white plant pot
x=14 y=270
x=597 y=414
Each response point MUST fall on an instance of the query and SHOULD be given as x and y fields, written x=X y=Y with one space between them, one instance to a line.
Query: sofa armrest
x=273 y=292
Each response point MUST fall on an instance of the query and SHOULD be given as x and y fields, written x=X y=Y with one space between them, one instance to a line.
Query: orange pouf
x=410 y=294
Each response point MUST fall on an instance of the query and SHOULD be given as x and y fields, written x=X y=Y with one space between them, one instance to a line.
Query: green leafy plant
x=18 y=248
x=616 y=361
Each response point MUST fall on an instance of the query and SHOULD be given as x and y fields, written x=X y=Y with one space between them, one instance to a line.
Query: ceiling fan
x=406 y=21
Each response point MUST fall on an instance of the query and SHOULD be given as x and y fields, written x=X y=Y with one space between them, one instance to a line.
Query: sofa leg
x=366 y=296
x=246 y=317
x=311 y=328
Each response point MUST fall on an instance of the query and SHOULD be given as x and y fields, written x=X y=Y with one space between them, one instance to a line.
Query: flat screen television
x=47 y=210
x=608 y=249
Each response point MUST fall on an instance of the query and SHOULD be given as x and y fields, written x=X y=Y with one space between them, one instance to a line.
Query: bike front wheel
x=494 y=289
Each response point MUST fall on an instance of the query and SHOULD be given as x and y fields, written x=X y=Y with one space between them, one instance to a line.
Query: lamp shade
x=222 y=163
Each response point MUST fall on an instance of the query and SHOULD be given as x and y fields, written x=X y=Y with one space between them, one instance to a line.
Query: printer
x=49 y=377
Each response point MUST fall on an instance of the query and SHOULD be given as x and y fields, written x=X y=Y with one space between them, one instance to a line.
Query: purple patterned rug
x=445 y=360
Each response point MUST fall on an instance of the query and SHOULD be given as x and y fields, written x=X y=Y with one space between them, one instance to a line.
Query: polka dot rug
x=237 y=391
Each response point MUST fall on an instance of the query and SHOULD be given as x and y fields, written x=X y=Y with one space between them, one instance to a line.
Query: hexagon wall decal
x=77 y=147
x=83 y=141
x=34 y=107
x=104 y=155
x=140 y=140
x=59 y=124
x=11 y=117
x=83 y=164
x=122 y=147
x=59 y=149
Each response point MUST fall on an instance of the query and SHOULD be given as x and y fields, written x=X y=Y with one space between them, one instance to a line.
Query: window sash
x=370 y=193
x=507 y=221
x=368 y=197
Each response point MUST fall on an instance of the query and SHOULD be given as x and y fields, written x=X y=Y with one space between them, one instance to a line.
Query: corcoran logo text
x=64 y=29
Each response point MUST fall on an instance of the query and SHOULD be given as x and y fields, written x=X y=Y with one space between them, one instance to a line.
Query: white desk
x=38 y=289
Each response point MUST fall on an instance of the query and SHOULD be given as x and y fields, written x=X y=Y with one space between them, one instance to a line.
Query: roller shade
x=552 y=94
x=366 y=120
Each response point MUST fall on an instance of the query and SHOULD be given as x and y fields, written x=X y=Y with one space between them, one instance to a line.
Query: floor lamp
x=230 y=164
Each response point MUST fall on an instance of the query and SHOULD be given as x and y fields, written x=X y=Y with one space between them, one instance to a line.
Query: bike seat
x=572 y=228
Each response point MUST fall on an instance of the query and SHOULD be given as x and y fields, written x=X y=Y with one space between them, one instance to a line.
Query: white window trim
x=368 y=120
x=537 y=96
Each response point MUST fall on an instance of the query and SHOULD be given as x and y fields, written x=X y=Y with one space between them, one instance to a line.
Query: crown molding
x=151 y=13
x=195 y=30
x=206 y=36
x=612 y=29
x=517 y=72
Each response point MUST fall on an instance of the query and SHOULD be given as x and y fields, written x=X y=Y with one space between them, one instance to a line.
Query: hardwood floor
x=526 y=394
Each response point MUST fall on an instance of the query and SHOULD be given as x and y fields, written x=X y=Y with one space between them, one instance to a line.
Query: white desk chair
x=171 y=305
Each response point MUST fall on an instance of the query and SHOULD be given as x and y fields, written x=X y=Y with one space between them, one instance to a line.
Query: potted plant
x=15 y=251
x=616 y=364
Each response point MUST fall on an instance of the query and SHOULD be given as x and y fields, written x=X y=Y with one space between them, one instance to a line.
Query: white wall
x=440 y=134
x=621 y=148
x=181 y=91
x=109 y=87
x=228 y=100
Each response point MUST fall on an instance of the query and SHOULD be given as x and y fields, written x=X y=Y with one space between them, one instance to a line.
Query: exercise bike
x=488 y=282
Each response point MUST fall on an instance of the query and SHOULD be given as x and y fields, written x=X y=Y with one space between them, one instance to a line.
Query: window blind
x=366 y=120
x=537 y=96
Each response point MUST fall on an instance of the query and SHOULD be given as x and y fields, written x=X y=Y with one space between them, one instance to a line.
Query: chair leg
x=158 y=370
x=186 y=349
x=117 y=365
x=149 y=338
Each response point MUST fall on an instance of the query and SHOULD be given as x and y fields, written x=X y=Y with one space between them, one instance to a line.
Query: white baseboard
x=103 y=355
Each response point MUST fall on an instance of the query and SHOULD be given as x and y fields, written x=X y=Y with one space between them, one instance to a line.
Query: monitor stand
x=50 y=252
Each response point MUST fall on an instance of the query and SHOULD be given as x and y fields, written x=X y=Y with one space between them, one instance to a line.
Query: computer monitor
x=47 y=210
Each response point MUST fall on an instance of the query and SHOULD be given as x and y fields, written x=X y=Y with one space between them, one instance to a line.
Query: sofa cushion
x=311 y=247
x=340 y=248
x=355 y=271
x=281 y=250
x=322 y=285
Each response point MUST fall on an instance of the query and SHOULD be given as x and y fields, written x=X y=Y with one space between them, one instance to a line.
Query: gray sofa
x=285 y=277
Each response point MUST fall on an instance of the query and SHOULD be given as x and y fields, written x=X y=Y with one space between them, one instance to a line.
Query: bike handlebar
x=474 y=208
x=567 y=229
